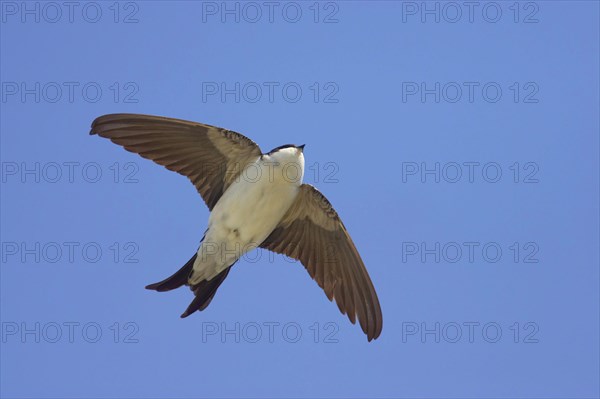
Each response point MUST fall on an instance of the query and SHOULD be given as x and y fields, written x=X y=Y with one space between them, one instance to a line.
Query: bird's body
x=248 y=211
x=256 y=200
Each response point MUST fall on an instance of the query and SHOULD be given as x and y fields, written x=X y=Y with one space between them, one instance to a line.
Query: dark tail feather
x=204 y=292
x=176 y=280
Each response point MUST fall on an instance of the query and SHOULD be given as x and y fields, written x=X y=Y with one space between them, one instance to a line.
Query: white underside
x=243 y=218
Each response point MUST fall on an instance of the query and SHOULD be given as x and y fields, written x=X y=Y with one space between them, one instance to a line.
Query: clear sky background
x=459 y=145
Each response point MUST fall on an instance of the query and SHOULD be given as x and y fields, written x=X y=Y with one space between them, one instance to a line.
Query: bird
x=256 y=200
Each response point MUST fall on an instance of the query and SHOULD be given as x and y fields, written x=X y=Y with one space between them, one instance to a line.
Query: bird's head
x=288 y=161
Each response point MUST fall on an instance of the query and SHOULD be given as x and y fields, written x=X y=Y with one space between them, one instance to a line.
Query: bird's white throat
x=249 y=210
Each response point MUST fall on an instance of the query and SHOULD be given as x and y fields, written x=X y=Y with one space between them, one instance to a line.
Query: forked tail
x=204 y=291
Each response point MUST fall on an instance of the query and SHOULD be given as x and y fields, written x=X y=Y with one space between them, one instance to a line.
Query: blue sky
x=459 y=144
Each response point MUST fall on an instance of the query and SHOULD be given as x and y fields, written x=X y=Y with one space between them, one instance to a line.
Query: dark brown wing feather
x=211 y=157
x=312 y=232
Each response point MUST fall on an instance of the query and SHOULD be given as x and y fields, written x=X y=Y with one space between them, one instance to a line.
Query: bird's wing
x=312 y=232
x=211 y=157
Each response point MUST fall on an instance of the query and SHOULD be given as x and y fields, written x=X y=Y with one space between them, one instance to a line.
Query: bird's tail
x=204 y=291
x=176 y=280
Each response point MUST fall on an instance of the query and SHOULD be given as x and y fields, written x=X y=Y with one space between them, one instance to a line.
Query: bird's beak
x=301 y=147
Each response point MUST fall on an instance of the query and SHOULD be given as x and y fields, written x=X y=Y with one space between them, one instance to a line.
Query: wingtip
x=374 y=336
x=103 y=118
x=377 y=332
x=94 y=124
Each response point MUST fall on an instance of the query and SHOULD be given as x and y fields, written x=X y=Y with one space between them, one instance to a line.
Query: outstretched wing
x=312 y=232
x=211 y=157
